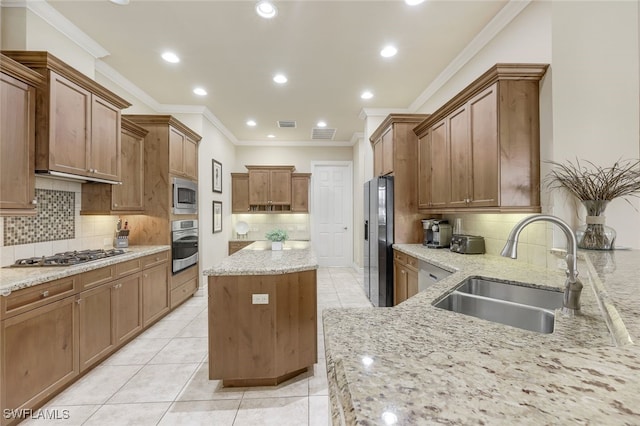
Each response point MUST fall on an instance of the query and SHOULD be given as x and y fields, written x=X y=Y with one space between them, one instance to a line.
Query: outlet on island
x=260 y=299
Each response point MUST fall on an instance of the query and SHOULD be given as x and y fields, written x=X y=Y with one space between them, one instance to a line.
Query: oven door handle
x=186 y=240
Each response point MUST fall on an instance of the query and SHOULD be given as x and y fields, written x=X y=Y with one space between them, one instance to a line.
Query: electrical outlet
x=107 y=242
x=260 y=299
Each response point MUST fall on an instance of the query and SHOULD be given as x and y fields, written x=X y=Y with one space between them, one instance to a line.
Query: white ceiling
x=328 y=49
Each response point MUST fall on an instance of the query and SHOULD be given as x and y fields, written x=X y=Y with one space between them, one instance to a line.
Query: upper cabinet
x=239 y=192
x=183 y=157
x=77 y=121
x=101 y=198
x=300 y=192
x=395 y=152
x=270 y=189
x=481 y=150
x=17 y=137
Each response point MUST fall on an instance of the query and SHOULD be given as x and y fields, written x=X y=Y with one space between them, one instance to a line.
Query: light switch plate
x=260 y=299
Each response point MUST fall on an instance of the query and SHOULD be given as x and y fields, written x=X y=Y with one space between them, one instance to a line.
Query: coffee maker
x=437 y=233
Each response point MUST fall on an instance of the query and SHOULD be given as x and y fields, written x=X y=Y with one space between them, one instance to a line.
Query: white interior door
x=331 y=213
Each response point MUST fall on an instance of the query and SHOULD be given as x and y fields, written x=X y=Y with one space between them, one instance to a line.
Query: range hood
x=75 y=178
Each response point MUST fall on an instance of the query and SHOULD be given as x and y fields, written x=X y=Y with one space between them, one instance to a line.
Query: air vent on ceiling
x=288 y=124
x=322 y=133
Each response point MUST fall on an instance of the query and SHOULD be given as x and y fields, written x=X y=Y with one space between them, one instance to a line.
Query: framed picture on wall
x=217 y=216
x=217 y=175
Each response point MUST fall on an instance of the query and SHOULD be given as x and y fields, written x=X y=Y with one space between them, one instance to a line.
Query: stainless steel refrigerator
x=378 y=239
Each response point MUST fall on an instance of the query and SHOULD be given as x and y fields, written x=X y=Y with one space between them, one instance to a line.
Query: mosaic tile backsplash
x=53 y=221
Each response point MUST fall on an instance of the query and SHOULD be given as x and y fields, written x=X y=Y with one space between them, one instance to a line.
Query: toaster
x=467 y=244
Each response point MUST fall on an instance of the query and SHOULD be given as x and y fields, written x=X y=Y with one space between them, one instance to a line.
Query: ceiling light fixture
x=271 y=136
x=413 y=2
x=388 y=51
x=120 y=2
x=322 y=124
x=200 y=91
x=251 y=123
x=280 y=78
x=366 y=95
x=266 y=9
x=170 y=57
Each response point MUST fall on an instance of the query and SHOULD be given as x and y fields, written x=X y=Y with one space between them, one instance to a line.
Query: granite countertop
x=258 y=259
x=417 y=364
x=12 y=279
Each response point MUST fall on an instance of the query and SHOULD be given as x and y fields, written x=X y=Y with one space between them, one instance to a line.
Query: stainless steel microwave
x=185 y=196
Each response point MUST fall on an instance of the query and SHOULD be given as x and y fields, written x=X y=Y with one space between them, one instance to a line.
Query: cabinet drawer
x=179 y=294
x=412 y=262
x=29 y=298
x=399 y=257
x=97 y=276
x=128 y=267
x=182 y=277
x=155 y=259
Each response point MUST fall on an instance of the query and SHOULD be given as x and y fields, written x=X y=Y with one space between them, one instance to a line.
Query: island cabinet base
x=262 y=328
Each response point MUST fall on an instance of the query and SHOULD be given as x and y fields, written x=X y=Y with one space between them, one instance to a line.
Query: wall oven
x=184 y=244
x=185 y=196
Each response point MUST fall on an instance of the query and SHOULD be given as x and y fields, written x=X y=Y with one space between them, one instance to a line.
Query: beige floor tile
x=148 y=414
x=137 y=352
x=182 y=351
x=155 y=383
x=297 y=386
x=319 y=411
x=97 y=386
x=196 y=328
x=69 y=415
x=193 y=413
x=318 y=385
x=164 y=329
x=188 y=313
x=273 y=411
x=200 y=388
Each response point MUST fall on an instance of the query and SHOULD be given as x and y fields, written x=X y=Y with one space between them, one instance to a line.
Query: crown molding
x=497 y=24
x=356 y=137
x=54 y=18
x=380 y=112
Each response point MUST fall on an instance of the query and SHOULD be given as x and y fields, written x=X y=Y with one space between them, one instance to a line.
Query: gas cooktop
x=68 y=258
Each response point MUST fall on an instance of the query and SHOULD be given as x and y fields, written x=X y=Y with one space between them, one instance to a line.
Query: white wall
x=298 y=156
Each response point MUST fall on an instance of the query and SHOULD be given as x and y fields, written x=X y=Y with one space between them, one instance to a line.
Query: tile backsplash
x=59 y=227
x=296 y=225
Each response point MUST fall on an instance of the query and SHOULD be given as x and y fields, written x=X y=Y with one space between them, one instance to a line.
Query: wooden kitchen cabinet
x=183 y=154
x=155 y=293
x=128 y=308
x=17 y=137
x=300 y=192
x=77 y=120
x=405 y=277
x=481 y=150
x=39 y=354
x=270 y=185
x=96 y=322
x=235 y=246
x=239 y=192
x=395 y=148
x=104 y=198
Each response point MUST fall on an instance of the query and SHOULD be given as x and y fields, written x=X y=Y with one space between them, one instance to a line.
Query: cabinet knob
x=34 y=201
x=45 y=293
x=146 y=275
x=78 y=301
x=157 y=258
x=115 y=204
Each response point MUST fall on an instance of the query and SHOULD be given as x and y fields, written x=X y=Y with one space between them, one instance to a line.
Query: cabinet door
x=176 y=152
x=440 y=172
x=239 y=193
x=128 y=308
x=259 y=187
x=155 y=293
x=399 y=283
x=460 y=151
x=96 y=324
x=104 y=151
x=190 y=153
x=300 y=194
x=280 y=187
x=387 y=152
x=39 y=353
x=377 y=158
x=69 y=127
x=130 y=195
x=424 y=171
x=17 y=138
x=412 y=283
x=484 y=144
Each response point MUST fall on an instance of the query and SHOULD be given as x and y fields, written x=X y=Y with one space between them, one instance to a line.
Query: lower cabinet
x=183 y=285
x=235 y=246
x=95 y=311
x=39 y=356
x=405 y=277
x=155 y=293
x=128 y=308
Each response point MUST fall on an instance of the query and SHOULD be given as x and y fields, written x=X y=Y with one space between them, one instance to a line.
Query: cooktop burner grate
x=68 y=258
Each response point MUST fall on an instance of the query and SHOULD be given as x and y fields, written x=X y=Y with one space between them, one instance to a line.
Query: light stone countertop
x=12 y=279
x=417 y=364
x=258 y=259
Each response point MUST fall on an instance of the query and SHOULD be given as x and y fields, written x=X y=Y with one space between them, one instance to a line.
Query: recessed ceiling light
x=200 y=91
x=388 y=51
x=366 y=95
x=413 y=2
x=120 y=2
x=251 y=123
x=266 y=9
x=271 y=136
x=322 y=124
x=170 y=57
x=280 y=78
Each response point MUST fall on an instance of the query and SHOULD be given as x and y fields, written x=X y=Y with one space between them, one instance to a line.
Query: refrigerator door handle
x=366 y=230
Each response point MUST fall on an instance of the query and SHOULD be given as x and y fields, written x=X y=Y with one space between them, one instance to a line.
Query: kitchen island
x=263 y=314
x=418 y=364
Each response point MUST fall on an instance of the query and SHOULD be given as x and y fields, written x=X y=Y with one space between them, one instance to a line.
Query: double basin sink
x=529 y=308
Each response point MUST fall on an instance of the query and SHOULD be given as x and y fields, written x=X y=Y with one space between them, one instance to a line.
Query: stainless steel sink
x=516 y=305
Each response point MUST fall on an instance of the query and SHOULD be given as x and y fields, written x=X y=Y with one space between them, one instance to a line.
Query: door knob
x=345 y=228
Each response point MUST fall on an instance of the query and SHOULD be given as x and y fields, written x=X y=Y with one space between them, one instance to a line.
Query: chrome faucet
x=573 y=286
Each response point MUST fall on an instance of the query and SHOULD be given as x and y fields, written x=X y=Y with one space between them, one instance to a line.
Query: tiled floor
x=161 y=377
